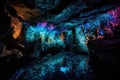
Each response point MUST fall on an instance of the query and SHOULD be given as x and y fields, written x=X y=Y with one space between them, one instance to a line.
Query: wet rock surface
x=64 y=65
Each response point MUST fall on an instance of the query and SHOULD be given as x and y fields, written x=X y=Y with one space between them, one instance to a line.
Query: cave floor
x=62 y=66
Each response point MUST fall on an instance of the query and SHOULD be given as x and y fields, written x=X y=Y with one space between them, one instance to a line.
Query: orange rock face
x=17 y=27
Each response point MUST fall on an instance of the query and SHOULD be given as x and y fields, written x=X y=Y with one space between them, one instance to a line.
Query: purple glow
x=44 y=24
x=51 y=27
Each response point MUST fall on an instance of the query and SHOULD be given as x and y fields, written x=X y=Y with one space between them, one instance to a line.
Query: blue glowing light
x=44 y=33
x=64 y=69
x=101 y=32
x=50 y=35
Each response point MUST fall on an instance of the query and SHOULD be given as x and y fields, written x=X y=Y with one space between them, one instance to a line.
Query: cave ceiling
x=60 y=11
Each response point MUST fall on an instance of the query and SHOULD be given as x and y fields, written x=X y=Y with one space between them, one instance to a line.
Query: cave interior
x=59 y=39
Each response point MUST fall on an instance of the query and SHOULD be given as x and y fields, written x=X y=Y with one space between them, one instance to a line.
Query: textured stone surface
x=64 y=65
x=74 y=21
x=68 y=9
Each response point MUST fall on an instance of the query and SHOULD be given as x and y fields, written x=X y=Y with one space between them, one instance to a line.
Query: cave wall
x=54 y=23
x=33 y=28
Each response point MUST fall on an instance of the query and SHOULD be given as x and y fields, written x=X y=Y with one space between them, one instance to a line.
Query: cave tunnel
x=59 y=39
